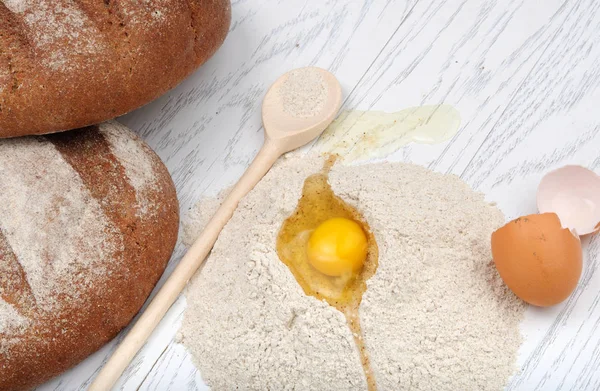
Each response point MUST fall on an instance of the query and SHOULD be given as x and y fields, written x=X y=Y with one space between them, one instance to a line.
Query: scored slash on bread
x=67 y=64
x=88 y=221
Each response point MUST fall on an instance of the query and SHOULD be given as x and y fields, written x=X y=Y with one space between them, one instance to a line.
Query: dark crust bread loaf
x=67 y=64
x=88 y=221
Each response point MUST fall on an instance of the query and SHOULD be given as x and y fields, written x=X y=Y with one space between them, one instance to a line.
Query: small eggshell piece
x=573 y=193
x=538 y=260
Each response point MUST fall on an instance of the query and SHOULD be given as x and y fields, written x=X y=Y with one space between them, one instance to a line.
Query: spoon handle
x=186 y=268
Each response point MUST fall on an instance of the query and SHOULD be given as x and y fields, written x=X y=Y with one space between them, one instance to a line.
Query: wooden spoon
x=283 y=133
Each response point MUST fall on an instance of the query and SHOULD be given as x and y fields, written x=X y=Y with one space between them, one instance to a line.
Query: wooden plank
x=174 y=360
x=471 y=54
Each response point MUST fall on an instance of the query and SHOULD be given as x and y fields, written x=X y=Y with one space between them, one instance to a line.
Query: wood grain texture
x=525 y=76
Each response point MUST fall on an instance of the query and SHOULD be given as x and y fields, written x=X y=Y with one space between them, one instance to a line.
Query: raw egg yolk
x=338 y=246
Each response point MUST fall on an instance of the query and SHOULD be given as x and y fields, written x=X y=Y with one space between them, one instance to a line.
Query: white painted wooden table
x=524 y=74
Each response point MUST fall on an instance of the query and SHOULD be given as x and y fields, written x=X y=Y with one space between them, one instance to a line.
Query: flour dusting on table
x=435 y=315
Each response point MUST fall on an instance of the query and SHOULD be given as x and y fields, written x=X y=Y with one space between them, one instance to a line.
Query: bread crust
x=68 y=64
x=145 y=226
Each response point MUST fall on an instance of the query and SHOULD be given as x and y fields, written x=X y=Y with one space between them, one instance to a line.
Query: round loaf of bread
x=88 y=220
x=67 y=64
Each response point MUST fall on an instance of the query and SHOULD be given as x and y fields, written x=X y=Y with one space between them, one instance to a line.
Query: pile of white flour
x=435 y=316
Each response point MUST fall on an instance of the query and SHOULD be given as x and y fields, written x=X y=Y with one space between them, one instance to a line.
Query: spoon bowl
x=290 y=131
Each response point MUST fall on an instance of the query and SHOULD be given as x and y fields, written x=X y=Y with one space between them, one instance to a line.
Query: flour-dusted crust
x=88 y=221
x=66 y=64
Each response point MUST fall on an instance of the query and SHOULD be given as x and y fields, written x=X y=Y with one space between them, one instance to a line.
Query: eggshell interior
x=573 y=193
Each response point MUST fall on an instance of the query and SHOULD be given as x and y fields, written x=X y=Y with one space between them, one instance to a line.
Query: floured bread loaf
x=66 y=64
x=88 y=221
